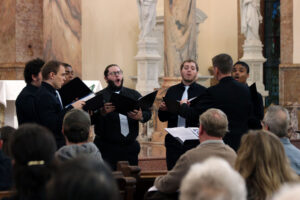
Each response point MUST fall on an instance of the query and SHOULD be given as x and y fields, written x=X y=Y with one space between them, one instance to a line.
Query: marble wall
x=20 y=36
x=62 y=32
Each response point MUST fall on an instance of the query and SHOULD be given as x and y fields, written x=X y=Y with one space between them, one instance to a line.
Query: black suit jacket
x=175 y=92
x=234 y=99
x=49 y=111
x=25 y=105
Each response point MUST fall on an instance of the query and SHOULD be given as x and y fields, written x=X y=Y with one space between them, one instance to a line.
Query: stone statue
x=147 y=16
x=250 y=18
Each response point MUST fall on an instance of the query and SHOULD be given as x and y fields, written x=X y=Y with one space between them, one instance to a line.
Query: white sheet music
x=183 y=134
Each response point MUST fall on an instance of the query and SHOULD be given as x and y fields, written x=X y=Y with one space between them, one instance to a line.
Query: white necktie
x=123 y=123
x=58 y=96
x=181 y=120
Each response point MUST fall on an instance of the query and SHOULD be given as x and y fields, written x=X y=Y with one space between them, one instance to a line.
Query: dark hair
x=243 y=64
x=76 y=125
x=33 y=150
x=223 y=62
x=66 y=65
x=189 y=60
x=7 y=134
x=32 y=67
x=82 y=178
x=107 y=69
x=51 y=66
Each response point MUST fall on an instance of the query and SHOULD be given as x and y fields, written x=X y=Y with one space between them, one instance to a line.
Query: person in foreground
x=214 y=179
x=78 y=135
x=213 y=127
x=277 y=120
x=83 y=178
x=33 y=151
x=288 y=192
x=262 y=163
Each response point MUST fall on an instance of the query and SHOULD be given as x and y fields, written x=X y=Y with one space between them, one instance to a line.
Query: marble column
x=20 y=36
x=62 y=32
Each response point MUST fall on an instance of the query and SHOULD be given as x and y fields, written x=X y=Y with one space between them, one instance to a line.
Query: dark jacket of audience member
x=82 y=179
x=33 y=150
x=6 y=135
x=5 y=172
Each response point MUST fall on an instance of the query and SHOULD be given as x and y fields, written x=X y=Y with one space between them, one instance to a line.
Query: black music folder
x=74 y=90
x=125 y=104
x=94 y=103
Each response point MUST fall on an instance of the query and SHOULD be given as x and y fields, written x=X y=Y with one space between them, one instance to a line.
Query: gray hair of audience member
x=277 y=119
x=223 y=62
x=214 y=122
x=288 y=192
x=76 y=126
x=213 y=179
x=82 y=178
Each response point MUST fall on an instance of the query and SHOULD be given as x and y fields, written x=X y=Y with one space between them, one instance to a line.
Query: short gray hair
x=277 y=119
x=213 y=179
x=214 y=122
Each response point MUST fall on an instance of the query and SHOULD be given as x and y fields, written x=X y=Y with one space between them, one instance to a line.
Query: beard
x=113 y=87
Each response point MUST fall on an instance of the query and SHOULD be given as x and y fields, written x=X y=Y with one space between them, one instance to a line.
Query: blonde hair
x=261 y=160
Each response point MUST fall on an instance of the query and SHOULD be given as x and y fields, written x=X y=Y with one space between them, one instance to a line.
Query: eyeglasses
x=115 y=73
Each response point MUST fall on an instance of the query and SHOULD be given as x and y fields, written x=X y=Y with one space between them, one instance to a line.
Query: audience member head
x=277 y=120
x=33 y=150
x=262 y=162
x=53 y=73
x=76 y=126
x=288 y=192
x=113 y=75
x=82 y=178
x=69 y=72
x=222 y=64
x=7 y=134
x=32 y=72
x=213 y=123
x=240 y=72
x=213 y=179
x=189 y=71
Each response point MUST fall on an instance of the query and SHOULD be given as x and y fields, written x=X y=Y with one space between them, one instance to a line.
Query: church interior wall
x=296 y=31
x=110 y=32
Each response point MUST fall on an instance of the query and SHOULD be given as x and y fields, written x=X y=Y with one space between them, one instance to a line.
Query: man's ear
x=264 y=126
x=200 y=129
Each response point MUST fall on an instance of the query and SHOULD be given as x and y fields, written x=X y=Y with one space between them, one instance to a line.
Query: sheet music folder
x=183 y=134
x=75 y=89
x=125 y=104
x=94 y=103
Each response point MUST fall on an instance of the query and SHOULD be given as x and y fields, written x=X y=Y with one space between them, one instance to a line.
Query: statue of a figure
x=250 y=18
x=147 y=16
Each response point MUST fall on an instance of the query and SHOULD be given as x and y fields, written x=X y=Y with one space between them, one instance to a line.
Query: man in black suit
x=187 y=89
x=25 y=101
x=116 y=133
x=50 y=111
x=240 y=72
x=230 y=96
